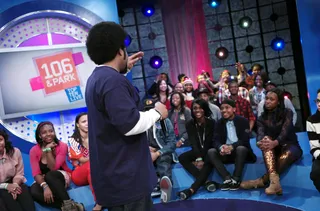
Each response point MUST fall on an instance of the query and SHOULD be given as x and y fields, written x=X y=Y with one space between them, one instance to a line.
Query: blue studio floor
x=298 y=190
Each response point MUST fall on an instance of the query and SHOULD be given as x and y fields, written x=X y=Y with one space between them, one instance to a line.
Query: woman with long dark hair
x=78 y=147
x=162 y=93
x=200 y=132
x=277 y=140
x=179 y=116
x=13 y=192
x=50 y=170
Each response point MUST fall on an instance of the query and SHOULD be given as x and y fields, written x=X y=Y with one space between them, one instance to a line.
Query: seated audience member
x=256 y=69
x=14 y=193
x=277 y=140
x=215 y=110
x=313 y=129
x=243 y=107
x=189 y=91
x=163 y=76
x=50 y=171
x=241 y=72
x=231 y=143
x=257 y=93
x=78 y=151
x=200 y=131
x=181 y=77
x=179 y=115
x=287 y=103
x=162 y=145
x=178 y=88
x=162 y=93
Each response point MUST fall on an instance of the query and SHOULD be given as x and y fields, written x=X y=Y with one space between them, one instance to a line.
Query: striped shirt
x=313 y=129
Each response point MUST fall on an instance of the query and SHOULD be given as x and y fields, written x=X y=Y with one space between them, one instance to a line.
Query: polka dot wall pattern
x=13 y=37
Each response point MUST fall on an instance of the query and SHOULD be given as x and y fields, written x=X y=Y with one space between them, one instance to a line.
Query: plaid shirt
x=243 y=108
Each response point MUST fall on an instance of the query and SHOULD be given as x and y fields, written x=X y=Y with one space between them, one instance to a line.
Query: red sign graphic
x=57 y=72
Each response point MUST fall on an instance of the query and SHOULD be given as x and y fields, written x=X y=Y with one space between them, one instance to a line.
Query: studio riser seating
x=298 y=190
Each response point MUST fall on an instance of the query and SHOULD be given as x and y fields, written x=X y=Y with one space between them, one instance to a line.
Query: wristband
x=3 y=185
x=199 y=159
x=159 y=114
x=44 y=187
x=48 y=149
x=42 y=184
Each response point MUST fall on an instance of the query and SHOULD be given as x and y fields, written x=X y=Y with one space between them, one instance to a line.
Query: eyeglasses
x=317 y=101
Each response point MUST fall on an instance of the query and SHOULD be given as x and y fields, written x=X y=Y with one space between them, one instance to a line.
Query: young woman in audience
x=189 y=91
x=179 y=115
x=162 y=93
x=257 y=93
x=163 y=76
x=178 y=88
x=200 y=132
x=14 y=193
x=50 y=171
x=78 y=148
x=277 y=140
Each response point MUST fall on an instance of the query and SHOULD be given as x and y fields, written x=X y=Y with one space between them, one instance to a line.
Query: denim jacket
x=167 y=142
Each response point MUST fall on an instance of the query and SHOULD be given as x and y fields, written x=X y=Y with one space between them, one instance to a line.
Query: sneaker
x=210 y=186
x=185 y=194
x=235 y=185
x=226 y=184
x=70 y=205
x=155 y=194
x=166 y=189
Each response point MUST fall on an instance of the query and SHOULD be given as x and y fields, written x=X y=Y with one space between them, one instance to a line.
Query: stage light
x=121 y=13
x=148 y=11
x=214 y=3
x=281 y=70
x=274 y=17
x=245 y=22
x=287 y=95
x=278 y=44
x=249 y=49
x=222 y=53
x=127 y=41
x=155 y=62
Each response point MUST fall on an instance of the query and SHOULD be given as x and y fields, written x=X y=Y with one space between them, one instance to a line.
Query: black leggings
x=56 y=183
x=24 y=201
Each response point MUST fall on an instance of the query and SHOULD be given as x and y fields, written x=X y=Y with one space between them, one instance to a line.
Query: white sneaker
x=166 y=189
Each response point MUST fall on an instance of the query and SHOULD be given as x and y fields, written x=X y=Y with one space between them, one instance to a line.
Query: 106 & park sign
x=57 y=72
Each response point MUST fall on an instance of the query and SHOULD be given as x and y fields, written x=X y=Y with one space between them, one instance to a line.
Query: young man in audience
x=243 y=107
x=162 y=145
x=287 y=102
x=215 y=111
x=313 y=129
x=231 y=143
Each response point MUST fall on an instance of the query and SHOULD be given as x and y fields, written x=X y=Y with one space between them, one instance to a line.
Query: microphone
x=163 y=127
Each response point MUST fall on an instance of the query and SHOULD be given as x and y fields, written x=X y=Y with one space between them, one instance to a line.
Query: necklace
x=203 y=135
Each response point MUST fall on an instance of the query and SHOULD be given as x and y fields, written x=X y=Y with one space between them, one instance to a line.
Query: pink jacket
x=61 y=154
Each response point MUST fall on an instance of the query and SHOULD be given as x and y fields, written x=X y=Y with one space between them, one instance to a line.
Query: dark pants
x=56 y=182
x=202 y=175
x=238 y=156
x=163 y=166
x=23 y=202
x=186 y=160
x=143 y=204
x=315 y=174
